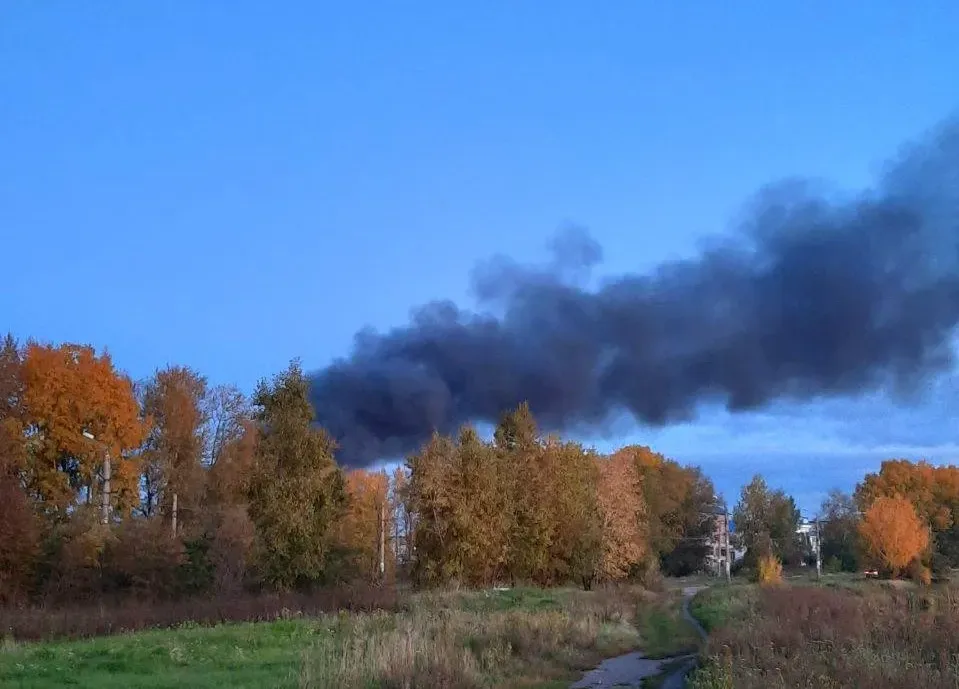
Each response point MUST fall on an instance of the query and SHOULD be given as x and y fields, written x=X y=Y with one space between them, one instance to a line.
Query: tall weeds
x=814 y=637
x=456 y=648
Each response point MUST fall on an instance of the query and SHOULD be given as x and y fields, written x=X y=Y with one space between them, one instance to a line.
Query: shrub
x=769 y=570
x=919 y=573
x=145 y=559
x=73 y=558
x=231 y=549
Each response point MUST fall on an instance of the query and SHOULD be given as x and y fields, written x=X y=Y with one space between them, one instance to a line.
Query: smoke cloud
x=813 y=295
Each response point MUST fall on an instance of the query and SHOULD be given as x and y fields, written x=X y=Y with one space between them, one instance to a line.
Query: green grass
x=527 y=638
x=716 y=606
x=663 y=630
x=238 y=656
x=518 y=599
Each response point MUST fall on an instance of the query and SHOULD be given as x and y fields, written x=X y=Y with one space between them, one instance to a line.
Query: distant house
x=716 y=547
x=810 y=534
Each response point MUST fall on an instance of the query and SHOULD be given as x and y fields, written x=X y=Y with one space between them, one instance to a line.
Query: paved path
x=629 y=670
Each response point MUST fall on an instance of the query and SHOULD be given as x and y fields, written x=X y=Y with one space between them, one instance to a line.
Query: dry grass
x=448 y=645
x=516 y=638
x=831 y=638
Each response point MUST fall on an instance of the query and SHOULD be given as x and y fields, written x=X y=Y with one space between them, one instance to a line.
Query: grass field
x=517 y=638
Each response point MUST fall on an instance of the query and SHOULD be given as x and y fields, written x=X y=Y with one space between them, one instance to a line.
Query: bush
x=230 y=549
x=919 y=573
x=769 y=570
x=73 y=558
x=143 y=558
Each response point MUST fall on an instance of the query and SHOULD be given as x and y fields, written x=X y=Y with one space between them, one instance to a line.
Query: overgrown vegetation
x=454 y=640
x=664 y=630
x=32 y=623
x=830 y=637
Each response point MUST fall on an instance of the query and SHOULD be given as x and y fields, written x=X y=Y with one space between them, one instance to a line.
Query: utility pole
x=382 y=540
x=818 y=551
x=107 y=475
x=105 y=516
x=726 y=560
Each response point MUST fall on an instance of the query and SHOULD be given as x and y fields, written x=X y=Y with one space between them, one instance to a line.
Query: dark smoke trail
x=814 y=296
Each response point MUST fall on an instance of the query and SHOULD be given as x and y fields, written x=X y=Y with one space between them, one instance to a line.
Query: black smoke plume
x=814 y=294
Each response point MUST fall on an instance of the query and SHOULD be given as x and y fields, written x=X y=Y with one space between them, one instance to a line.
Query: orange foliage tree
x=68 y=389
x=172 y=457
x=893 y=533
x=576 y=547
x=369 y=512
x=19 y=528
x=931 y=490
x=623 y=516
x=12 y=448
x=677 y=500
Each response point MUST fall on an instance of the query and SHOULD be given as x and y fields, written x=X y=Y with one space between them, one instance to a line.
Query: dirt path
x=631 y=669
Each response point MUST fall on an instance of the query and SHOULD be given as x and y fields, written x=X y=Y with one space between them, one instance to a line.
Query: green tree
x=766 y=523
x=432 y=504
x=527 y=478
x=575 y=536
x=480 y=509
x=839 y=532
x=297 y=492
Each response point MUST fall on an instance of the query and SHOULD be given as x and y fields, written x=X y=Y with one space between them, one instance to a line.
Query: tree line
x=170 y=486
x=901 y=520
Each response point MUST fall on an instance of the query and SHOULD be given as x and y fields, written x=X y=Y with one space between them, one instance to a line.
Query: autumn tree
x=365 y=527
x=680 y=504
x=230 y=471
x=480 y=509
x=459 y=511
x=527 y=478
x=297 y=491
x=227 y=519
x=20 y=530
x=12 y=446
x=172 y=457
x=623 y=513
x=576 y=534
x=69 y=389
x=933 y=492
x=432 y=502
x=766 y=521
x=893 y=533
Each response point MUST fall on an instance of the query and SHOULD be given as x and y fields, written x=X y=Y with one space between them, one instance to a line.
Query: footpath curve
x=631 y=669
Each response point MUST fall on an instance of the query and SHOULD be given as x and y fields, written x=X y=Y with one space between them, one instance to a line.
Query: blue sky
x=231 y=184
